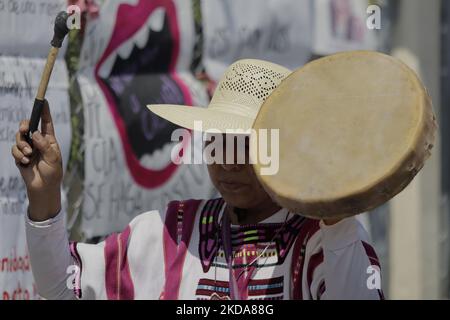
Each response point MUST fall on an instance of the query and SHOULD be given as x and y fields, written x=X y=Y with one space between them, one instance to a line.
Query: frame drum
x=354 y=130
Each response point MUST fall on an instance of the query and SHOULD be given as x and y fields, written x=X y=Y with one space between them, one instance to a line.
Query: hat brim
x=210 y=119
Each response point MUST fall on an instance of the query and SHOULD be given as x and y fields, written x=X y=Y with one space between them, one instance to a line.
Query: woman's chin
x=237 y=200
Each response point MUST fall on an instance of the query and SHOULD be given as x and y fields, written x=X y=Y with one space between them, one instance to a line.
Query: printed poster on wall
x=340 y=25
x=26 y=26
x=19 y=79
x=26 y=29
x=279 y=31
x=136 y=53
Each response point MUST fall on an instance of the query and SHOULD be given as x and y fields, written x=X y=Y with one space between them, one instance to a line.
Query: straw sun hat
x=236 y=101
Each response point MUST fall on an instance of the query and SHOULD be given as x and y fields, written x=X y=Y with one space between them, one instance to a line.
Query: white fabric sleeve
x=50 y=257
x=342 y=264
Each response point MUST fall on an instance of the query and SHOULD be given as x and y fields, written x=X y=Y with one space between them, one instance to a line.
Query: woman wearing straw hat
x=240 y=246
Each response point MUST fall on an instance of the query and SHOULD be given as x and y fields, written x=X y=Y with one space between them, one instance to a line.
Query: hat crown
x=246 y=85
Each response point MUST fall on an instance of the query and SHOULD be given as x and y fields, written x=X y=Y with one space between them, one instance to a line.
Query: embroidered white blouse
x=180 y=254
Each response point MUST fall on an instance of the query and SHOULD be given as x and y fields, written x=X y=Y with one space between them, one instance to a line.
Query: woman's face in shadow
x=236 y=180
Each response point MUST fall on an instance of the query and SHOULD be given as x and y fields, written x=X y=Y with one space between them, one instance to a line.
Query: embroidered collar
x=263 y=232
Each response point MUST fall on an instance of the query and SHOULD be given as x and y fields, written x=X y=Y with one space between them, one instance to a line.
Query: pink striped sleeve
x=340 y=262
x=125 y=265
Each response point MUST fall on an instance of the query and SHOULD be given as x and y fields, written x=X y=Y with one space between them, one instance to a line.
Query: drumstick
x=60 y=31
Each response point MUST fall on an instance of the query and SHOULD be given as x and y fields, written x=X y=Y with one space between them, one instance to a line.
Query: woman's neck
x=252 y=215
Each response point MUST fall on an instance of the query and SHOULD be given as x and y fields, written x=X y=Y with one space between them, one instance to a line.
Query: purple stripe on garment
x=118 y=282
x=175 y=253
x=373 y=259
x=76 y=257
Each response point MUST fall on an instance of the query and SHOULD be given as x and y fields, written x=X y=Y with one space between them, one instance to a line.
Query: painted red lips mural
x=138 y=68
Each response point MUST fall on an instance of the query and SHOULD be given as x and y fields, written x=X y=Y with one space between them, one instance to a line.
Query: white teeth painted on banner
x=126 y=48
x=156 y=20
x=141 y=37
x=106 y=67
x=159 y=159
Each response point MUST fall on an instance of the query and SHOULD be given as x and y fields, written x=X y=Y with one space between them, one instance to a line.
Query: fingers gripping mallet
x=60 y=32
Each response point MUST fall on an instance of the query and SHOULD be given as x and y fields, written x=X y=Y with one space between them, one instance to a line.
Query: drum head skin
x=354 y=129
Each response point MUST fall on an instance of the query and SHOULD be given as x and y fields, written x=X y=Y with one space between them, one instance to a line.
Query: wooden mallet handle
x=60 y=32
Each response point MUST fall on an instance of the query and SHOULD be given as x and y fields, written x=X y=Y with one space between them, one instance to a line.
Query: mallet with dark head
x=60 y=32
